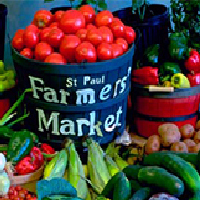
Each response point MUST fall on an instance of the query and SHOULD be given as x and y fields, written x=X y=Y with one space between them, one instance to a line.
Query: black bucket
x=3 y=16
x=76 y=100
x=153 y=30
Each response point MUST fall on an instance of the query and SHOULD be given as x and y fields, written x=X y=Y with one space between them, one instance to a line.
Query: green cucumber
x=135 y=185
x=142 y=194
x=131 y=171
x=122 y=189
x=176 y=166
x=189 y=157
x=160 y=178
x=109 y=188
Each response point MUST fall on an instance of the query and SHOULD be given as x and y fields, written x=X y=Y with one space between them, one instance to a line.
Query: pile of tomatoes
x=19 y=193
x=74 y=36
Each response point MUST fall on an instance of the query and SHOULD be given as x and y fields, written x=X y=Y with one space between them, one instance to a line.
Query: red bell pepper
x=194 y=79
x=146 y=76
x=46 y=148
x=193 y=62
x=25 y=166
x=37 y=157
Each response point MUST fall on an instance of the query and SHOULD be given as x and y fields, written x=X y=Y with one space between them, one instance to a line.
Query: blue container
x=76 y=100
x=153 y=30
x=3 y=15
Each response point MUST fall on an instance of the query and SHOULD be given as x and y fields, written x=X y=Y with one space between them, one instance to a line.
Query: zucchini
x=162 y=179
x=109 y=188
x=189 y=157
x=131 y=171
x=176 y=166
x=142 y=194
x=122 y=189
x=135 y=185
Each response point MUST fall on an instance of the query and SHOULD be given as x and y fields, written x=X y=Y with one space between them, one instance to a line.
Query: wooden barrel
x=151 y=109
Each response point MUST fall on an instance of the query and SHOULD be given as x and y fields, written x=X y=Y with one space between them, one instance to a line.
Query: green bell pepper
x=151 y=54
x=177 y=46
x=6 y=131
x=167 y=70
x=19 y=145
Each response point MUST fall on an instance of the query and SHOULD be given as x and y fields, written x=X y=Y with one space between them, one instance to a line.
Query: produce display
x=177 y=66
x=74 y=36
x=185 y=139
x=7 y=78
x=168 y=165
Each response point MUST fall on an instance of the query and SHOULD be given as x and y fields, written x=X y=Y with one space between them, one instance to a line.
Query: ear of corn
x=120 y=162
x=111 y=165
x=56 y=167
x=76 y=173
x=98 y=171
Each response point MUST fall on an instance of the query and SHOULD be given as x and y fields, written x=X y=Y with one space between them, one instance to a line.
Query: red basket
x=152 y=109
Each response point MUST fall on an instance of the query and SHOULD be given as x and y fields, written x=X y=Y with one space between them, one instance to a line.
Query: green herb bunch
x=186 y=18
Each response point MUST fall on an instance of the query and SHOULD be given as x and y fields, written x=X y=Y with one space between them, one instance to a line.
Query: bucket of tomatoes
x=64 y=47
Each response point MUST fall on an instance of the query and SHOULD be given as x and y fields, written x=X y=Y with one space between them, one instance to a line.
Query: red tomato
x=42 y=18
x=104 y=18
x=55 y=58
x=71 y=21
x=55 y=37
x=19 y=32
x=31 y=38
x=117 y=29
x=42 y=50
x=17 y=198
x=26 y=52
x=18 y=42
x=58 y=15
x=88 y=12
x=68 y=47
x=94 y=36
x=44 y=34
x=115 y=19
x=32 y=28
x=82 y=33
x=104 y=51
x=117 y=50
x=123 y=43
x=21 y=194
x=107 y=35
x=130 y=34
x=86 y=52
x=28 y=196
x=54 y=25
x=91 y=26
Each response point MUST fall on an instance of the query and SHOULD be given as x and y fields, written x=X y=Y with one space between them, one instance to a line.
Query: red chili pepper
x=37 y=157
x=194 y=79
x=146 y=76
x=193 y=62
x=25 y=166
x=46 y=148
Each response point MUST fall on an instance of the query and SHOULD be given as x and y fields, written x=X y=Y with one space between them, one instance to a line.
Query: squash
x=153 y=144
x=197 y=137
x=179 y=147
x=187 y=131
x=190 y=144
x=169 y=134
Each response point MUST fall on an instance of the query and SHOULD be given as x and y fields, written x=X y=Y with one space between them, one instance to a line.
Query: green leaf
x=47 y=1
x=91 y=2
x=102 y=5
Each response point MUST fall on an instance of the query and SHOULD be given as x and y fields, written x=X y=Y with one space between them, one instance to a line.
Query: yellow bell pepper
x=180 y=81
